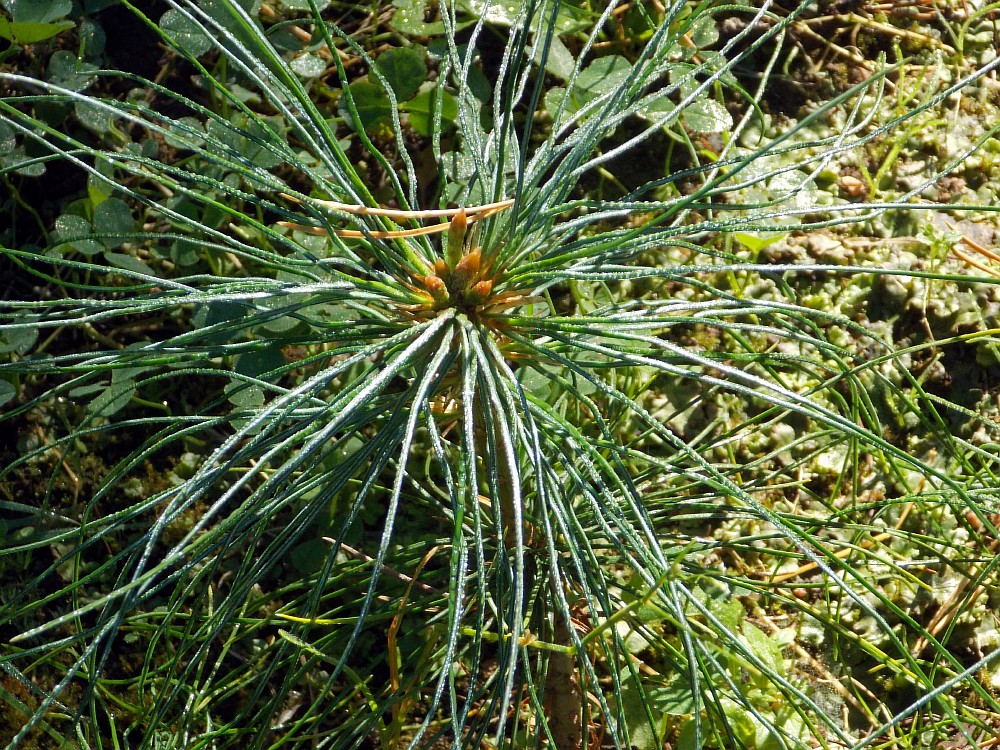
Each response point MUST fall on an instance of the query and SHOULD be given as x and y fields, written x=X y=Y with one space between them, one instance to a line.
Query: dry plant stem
x=974 y=263
x=303 y=36
x=472 y=214
x=842 y=553
x=397 y=213
x=893 y=31
x=101 y=338
x=984 y=251
x=354 y=234
x=952 y=607
x=858 y=60
x=359 y=555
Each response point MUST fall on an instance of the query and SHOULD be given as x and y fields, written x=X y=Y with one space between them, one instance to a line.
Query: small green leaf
x=657 y=111
x=123 y=374
x=309 y=557
x=730 y=613
x=645 y=609
x=757 y=242
x=8 y=391
x=572 y=19
x=98 y=190
x=92 y=38
x=17 y=340
x=257 y=363
x=496 y=12
x=535 y=381
x=707 y=116
x=704 y=32
x=421 y=110
x=636 y=23
x=245 y=396
x=93 y=116
x=40 y=11
x=600 y=77
x=68 y=71
x=408 y=18
x=304 y=4
x=113 y=217
x=112 y=399
x=88 y=390
x=633 y=704
x=221 y=10
x=559 y=62
x=185 y=133
x=371 y=102
x=149 y=148
x=7 y=139
x=715 y=61
x=20 y=162
x=29 y=33
x=308 y=65
x=404 y=70
x=684 y=76
x=214 y=313
x=604 y=75
x=763 y=647
x=687 y=739
x=120 y=260
x=740 y=722
x=184 y=252
x=248 y=137
x=675 y=698
x=479 y=84
x=185 y=32
x=76 y=231
x=554 y=99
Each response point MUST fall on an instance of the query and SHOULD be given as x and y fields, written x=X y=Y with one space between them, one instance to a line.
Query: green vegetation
x=479 y=374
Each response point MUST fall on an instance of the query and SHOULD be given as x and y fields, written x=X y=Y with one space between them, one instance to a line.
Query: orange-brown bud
x=437 y=288
x=479 y=292
x=471 y=262
x=467 y=270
